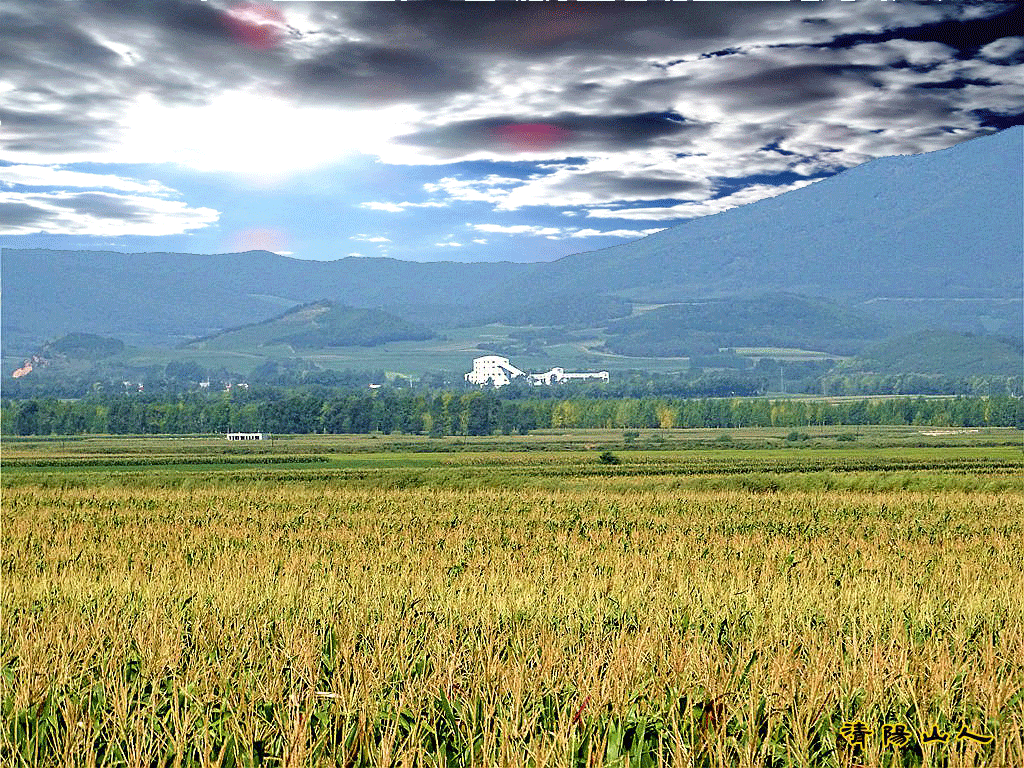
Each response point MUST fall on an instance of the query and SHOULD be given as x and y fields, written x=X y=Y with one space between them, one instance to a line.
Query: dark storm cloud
x=604 y=187
x=798 y=85
x=184 y=41
x=69 y=129
x=624 y=88
x=194 y=22
x=103 y=206
x=375 y=73
x=925 y=108
x=542 y=29
x=61 y=40
x=50 y=49
x=97 y=213
x=21 y=214
x=570 y=132
x=771 y=86
x=631 y=187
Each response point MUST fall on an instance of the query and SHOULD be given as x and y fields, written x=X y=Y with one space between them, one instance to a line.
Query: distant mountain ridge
x=943 y=224
x=166 y=299
x=901 y=236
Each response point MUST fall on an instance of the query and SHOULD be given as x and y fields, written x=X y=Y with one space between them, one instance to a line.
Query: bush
x=609 y=458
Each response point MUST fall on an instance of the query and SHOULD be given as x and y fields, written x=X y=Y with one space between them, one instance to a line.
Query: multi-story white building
x=499 y=371
x=494 y=370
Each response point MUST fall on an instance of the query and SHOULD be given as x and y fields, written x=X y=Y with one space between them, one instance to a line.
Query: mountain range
x=897 y=245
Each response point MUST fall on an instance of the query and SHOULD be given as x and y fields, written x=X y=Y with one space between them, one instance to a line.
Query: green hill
x=318 y=325
x=84 y=346
x=941 y=352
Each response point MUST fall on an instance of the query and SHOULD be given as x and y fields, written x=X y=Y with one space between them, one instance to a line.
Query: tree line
x=483 y=412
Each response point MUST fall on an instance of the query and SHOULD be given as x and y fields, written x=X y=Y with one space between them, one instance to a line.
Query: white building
x=558 y=375
x=494 y=370
x=499 y=371
x=245 y=436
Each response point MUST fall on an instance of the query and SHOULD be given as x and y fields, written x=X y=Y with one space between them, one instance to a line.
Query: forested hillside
x=771 y=320
x=935 y=352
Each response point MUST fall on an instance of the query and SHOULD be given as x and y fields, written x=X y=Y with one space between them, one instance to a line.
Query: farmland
x=369 y=600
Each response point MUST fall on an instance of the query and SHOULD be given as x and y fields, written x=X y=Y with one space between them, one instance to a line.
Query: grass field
x=341 y=600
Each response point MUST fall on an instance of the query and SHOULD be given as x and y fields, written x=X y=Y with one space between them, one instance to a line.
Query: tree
x=26 y=418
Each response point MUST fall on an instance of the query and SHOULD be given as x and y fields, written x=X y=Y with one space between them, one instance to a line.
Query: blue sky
x=464 y=131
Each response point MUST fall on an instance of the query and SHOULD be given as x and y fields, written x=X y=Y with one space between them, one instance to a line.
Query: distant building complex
x=499 y=371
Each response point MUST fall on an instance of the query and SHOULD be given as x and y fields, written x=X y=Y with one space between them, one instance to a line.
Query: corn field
x=227 y=620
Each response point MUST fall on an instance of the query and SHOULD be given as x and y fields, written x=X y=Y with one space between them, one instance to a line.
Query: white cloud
x=55 y=176
x=601 y=180
x=355 y=253
x=1003 y=48
x=480 y=240
x=558 y=233
x=370 y=238
x=399 y=207
x=389 y=207
x=98 y=213
x=486 y=190
x=449 y=244
x=515 y=229
x=630 y=233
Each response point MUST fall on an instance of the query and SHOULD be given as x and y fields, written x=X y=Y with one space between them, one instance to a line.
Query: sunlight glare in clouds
x=258 y=135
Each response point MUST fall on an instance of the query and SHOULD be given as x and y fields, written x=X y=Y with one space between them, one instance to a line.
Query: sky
x=465 y=131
